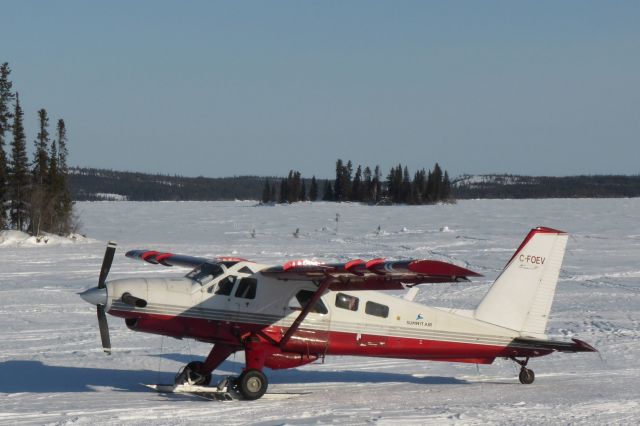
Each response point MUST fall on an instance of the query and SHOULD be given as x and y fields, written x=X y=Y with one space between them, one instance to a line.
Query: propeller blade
x=106 y=263
x=104 y=329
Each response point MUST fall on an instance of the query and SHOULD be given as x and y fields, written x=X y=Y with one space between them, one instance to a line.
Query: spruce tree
x=356 y=186
x=41 y=195
x=6 y=96
x=446 y=187
x=18 y=172
x=338 y=187
x=41 y=145
x=377 y=184
x=51 y=220
x=64 y=204
x=313 y=189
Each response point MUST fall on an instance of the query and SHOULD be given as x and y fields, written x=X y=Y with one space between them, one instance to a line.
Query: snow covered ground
x=53 y=371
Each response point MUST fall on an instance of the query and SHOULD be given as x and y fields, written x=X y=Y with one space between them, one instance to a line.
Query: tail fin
x=520 y=299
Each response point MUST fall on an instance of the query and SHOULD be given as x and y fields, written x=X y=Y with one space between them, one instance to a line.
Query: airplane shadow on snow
x=36 y=377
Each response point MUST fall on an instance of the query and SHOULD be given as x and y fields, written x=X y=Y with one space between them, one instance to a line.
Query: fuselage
x=237 y=301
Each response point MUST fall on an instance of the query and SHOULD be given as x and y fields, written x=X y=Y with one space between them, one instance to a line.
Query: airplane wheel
x=526 y=376
x=252 y=384
x=191 y=374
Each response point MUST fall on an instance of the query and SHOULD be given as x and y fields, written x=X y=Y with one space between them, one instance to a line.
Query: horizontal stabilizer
x=555 y=345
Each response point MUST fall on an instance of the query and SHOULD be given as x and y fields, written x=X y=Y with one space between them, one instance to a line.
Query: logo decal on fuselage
x=420 y=322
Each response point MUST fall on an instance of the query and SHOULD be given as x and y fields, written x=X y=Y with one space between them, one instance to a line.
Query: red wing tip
x=302 y=262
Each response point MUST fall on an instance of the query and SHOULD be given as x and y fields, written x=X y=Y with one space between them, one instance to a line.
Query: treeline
x=89 y=184
x=364 y=186
x=519 y=187
x=35 y=194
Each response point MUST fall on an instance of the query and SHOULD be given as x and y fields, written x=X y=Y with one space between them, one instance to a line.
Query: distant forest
x=97 y=184
x=514 y=186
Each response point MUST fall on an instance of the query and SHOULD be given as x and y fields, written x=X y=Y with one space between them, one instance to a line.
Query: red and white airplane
x=290 y=315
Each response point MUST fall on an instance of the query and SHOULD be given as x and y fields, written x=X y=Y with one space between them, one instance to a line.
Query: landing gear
x=252 y=384
x=526 y=375
x=192 y=374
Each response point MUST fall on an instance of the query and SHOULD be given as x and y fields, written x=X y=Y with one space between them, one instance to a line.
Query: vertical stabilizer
x=520 y=299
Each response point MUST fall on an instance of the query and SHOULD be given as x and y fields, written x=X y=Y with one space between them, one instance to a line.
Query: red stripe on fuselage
x=309 y=341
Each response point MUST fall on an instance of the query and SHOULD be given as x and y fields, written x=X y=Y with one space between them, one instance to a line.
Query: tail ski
x=520 y=299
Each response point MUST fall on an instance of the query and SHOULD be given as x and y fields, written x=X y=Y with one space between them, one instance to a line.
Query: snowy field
x=53 y=371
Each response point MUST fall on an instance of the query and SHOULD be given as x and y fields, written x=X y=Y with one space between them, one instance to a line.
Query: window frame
x=348 y=299
x=371 y=303
x=249 y=291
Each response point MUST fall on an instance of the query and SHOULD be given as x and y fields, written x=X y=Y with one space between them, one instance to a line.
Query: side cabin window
x=376 y=309
x=345 y=301
x=225 y=285
x=300 y=300
x=247 y=288
x=205 y=273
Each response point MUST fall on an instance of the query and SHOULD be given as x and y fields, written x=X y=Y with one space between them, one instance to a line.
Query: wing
x=376 y=274
x=180 y=260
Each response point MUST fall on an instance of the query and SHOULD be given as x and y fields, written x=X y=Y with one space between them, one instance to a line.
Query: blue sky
x=233 y=88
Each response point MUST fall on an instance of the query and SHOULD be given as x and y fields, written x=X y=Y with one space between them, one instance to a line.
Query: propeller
x=98 y=296
x=102 y=316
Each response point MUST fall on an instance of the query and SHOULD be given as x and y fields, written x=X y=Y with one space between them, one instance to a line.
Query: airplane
x=296 y=313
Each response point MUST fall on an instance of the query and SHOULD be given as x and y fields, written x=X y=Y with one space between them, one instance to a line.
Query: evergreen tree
x=313 y=189
x=377 y=184
x=418 y=187
x=41 y=144
x=357 y=193
x=6 y=96
x=339 y=185
x=52 y=219
x=18 y=172
x=446 y=187
x=405 y=188
x=347 y=183
x=41 y=195
x=394 y=184
x=437 y=179
x=368 y=185
x=64 y=204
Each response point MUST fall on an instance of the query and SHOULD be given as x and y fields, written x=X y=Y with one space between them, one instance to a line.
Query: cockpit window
x=300 y=300
x=247 y=288
x=225 y=285
x=205 y=273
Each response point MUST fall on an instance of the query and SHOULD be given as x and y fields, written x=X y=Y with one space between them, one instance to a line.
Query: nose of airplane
x=95 y=296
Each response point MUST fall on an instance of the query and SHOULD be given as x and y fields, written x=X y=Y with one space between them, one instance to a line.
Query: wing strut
x=324 y=284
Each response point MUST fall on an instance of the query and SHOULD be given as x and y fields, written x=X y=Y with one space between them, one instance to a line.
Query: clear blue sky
x=229 y=88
